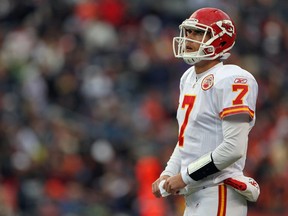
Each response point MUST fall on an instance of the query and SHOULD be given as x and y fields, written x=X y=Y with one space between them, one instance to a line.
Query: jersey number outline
x=243 y=91
x=189 y=101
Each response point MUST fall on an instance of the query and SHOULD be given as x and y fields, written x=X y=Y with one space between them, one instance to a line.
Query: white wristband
x=202 y=167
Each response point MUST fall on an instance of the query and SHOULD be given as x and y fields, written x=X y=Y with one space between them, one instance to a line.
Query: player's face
x=196 y=35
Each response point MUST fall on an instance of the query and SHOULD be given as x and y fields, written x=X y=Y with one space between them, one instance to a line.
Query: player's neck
x=203 y=66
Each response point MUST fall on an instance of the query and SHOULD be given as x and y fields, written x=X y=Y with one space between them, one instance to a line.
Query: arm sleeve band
x=202 y=167
x=173 y=165
x=234 y=145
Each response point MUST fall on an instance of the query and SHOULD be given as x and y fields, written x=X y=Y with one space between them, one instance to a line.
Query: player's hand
x=174 y=184
x=155 y=185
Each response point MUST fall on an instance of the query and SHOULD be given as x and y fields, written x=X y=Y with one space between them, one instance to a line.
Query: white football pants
x=220 y=200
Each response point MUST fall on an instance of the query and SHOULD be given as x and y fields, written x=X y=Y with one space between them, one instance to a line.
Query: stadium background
x=88 y=94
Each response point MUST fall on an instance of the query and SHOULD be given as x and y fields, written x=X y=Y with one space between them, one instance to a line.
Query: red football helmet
x=213 y=22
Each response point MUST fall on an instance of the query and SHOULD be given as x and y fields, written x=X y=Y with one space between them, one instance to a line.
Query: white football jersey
x=221 y=91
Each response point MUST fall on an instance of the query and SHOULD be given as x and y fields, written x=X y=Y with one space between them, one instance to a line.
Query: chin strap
x=194 y=60
x=225 y=56
x=202 y=167
x=191 y=61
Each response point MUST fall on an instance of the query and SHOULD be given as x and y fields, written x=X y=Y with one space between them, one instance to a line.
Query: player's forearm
x=232 y=148
x=234 y=145
x=173 y=165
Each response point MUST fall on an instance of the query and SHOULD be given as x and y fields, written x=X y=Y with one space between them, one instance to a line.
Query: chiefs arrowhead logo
x=227 y=27
x=207 y=82
x=253 y=183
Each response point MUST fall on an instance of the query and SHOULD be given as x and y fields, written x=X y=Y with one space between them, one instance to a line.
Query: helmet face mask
x=212 y=22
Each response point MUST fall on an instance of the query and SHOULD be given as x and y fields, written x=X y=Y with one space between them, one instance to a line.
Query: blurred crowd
x=88 y=97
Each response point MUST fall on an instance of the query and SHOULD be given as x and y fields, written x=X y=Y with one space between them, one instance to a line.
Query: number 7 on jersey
x=188 y=101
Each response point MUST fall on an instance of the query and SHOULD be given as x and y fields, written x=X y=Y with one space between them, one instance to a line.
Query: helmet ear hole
x=222 y=44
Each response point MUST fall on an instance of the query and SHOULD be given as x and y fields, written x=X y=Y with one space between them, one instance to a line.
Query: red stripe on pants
x=222 y=200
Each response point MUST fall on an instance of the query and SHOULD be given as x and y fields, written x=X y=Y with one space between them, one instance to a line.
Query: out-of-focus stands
x=88 y=94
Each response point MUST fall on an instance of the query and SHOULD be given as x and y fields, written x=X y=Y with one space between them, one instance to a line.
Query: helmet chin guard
x=212 y=22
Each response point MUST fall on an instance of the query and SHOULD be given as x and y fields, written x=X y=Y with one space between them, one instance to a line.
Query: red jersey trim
x=236 y=110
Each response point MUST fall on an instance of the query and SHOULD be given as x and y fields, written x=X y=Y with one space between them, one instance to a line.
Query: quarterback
x=215 y=114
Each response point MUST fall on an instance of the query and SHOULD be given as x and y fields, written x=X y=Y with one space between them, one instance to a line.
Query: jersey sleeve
x=174 y=164
x=237 y=95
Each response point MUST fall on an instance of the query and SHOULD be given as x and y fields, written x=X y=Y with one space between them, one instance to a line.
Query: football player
x=215 y=114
